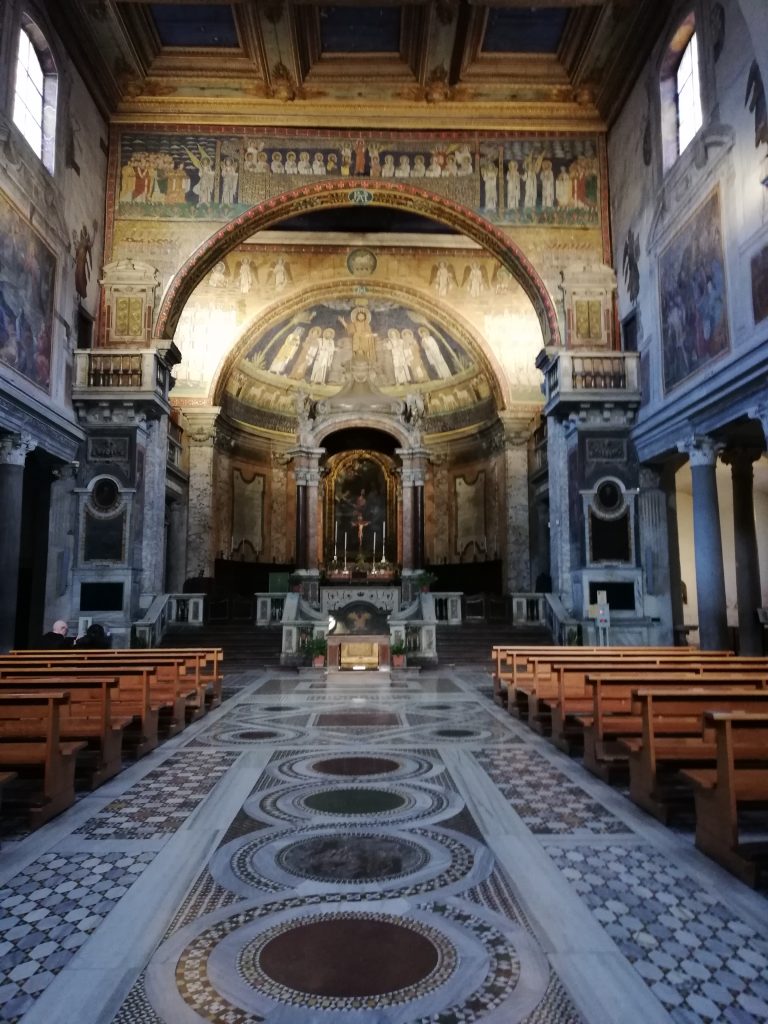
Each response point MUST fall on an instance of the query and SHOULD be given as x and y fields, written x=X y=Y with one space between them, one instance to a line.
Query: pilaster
x=201 y=434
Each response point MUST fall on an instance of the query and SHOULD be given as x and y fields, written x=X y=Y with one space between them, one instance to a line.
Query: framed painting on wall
x=27 y=282
x=692 y=295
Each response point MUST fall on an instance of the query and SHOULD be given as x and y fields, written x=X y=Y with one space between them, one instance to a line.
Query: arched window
x=680 y=88
x=34 y=106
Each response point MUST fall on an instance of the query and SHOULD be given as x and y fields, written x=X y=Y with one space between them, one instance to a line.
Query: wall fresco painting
x=694 y=311
x=27 y=281
x=552 y=181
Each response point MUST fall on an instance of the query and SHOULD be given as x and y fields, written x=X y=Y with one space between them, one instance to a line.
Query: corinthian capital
x=14 y=448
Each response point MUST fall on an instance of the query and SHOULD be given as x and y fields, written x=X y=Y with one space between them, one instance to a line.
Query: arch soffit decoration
x=365 y=192
x=464 y=333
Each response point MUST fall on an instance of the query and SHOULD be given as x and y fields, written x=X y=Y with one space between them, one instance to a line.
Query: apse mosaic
x=515 y=179
x=402 y=345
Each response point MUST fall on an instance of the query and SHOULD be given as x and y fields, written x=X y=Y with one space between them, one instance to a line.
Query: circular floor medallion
x=345 y=957
x=257 y=734
x=352 y=858
x=355 y=766
x=354 y=801
x=454 y=734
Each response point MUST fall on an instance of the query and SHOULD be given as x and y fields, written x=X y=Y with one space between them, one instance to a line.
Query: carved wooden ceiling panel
x=427 y=63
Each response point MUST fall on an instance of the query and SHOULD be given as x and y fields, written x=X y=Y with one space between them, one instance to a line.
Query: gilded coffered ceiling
x=559 y=64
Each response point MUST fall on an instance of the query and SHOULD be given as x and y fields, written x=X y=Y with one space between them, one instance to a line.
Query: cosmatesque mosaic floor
x=349 y=848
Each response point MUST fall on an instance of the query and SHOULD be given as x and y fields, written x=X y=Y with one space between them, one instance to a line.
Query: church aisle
x=347 y=848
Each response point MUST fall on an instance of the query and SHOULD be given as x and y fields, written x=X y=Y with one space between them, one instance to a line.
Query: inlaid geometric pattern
x=48 y=911
x=163 y=800
x=546 y=799
x=701 y=961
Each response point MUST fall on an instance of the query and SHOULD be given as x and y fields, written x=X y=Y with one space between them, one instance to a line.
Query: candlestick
x=345 y=551
x=373 y=560
x=384 y=542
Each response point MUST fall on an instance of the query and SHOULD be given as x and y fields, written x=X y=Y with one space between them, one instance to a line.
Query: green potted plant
x=317 y=648
x=397 y=652
x=424 y=579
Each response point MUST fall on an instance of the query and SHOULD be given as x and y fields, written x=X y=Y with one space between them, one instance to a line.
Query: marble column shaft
x=418 y=526
x=708 y=547
x=673 y=545
x=518 y=539
x=13 y=455
x=748 y=592
x=201 y=539
x=301 y=526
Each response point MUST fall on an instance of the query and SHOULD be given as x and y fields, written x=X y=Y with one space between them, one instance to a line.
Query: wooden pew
x=539 y=667
x=32 y=747
x=87 y=716
x=740 y=779
x=139 y=696
x=615 y=717
x=674 y=737
x=564 y=715
x=195 y=668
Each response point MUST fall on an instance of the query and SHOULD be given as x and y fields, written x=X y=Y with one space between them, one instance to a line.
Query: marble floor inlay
x=350 y=849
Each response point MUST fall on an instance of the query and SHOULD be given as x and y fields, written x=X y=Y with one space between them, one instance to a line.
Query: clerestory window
x=680 y=87
x=36 y=87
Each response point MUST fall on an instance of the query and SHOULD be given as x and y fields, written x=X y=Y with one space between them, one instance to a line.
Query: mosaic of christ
x=402 y=346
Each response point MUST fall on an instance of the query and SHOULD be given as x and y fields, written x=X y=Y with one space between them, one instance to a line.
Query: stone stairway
x=471 y=642
x=245 y=646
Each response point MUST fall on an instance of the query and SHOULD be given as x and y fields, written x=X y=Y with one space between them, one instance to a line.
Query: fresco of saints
x=279 y=274
x=325 y=353
x=474 y=280
x=419 y=168
x=434 y=170
x=218 y=278
x=245 y=278
x=388 y=168
x=443 y=278
x=287 y=350
x=207 y=177
x=177 y=184
x=413 y=352
x=547 y=185
x=229 y=178
x=143 y=178
x=277 y=163
x=404 y=167
x=304 y=166
x=490 y=178
x=307 y=355
x=531 y=167
x=318 y=164
x=563 y=188
x=463 y=161
x=513 y=185
x=359 y=329
x=434 y=355
x=291 y=167
x=399 y=356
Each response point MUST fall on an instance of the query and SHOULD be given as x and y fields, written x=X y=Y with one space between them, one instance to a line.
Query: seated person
x=95 y=638
x=56 y=638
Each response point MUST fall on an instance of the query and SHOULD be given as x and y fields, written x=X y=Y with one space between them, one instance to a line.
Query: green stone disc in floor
x=348 y=956
x=354 y=801
x=355 y=766
x=352 y=858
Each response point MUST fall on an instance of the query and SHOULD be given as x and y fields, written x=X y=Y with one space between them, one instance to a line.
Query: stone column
x=708 y=546
x=200 y=530
x=559 y=516
x=301 y=519
x=653 y=554
x=672 y=547
x=748 y=592
x=307 y=475
x=14 y=449
x=518 y=532
x=62 y=524
x=413 y=475
x=154 y=438
x=176 y=560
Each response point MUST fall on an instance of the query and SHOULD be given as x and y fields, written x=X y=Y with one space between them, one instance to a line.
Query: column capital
x=741 y=459
x=14 y=448
x=649 y=479
x=760 y=412
x=201 y=424
x=701 y=450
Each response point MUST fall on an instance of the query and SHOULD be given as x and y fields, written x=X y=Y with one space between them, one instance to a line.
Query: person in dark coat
x=56 y=638
x=94 y=638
